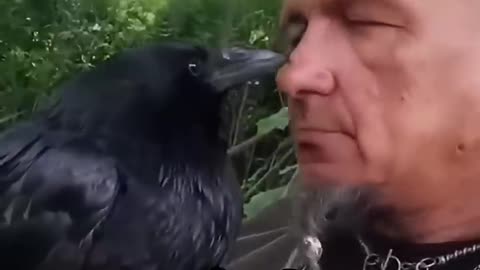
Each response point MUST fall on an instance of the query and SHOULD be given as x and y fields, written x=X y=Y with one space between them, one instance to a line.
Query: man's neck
x=451 y=221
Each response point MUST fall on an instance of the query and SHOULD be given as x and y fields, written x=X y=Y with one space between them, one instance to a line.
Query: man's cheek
x=373 y=142
x=422 y=137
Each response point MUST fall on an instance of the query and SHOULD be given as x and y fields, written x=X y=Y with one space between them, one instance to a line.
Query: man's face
x=385 y=92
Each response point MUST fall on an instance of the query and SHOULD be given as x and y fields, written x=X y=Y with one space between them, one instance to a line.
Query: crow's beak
x=236 y=66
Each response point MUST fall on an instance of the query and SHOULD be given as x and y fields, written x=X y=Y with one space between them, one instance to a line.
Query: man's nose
x=309 y=67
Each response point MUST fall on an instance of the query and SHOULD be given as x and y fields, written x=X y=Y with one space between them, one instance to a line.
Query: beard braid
x=320 y=213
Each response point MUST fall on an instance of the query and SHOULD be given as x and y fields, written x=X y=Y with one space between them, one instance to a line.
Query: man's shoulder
x=265 y=242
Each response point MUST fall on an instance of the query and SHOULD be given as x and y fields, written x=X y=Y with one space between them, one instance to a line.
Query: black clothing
x=267 y=244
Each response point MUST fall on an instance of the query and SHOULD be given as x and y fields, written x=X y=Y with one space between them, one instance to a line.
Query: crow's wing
x=54 y=192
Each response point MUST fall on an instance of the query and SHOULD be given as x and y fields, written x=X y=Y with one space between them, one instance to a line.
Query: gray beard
x=320 y=213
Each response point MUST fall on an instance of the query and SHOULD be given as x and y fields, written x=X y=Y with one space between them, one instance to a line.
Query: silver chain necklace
x=375 y=261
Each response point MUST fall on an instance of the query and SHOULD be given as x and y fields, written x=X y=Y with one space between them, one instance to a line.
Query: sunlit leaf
x=279 y=120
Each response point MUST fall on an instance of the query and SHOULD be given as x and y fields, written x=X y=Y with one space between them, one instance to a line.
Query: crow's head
x=159 y=90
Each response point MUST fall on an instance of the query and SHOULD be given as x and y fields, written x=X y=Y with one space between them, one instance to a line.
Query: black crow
x=127 y=170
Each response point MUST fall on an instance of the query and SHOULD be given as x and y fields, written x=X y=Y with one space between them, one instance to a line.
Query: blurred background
x=44 y=42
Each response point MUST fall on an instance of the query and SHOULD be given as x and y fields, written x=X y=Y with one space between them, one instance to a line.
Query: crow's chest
x=173 y=223
x=159 y=208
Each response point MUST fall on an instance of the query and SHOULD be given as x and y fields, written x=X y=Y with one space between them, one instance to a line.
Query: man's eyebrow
x=397 y=5
x=295 y=11
x=401 y=12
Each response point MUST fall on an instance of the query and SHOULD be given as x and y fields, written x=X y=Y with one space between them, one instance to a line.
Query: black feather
x=125 y=171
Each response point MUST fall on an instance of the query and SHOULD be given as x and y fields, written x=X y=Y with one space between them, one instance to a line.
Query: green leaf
x=262 y=200
x=256 y=35
x=66 y=35
x=279 y=120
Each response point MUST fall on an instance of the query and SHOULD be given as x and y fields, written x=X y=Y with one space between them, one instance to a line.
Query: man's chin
x=332 y=197
x=327 y=210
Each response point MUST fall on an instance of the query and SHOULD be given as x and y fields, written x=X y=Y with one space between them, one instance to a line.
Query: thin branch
x=231 y=131
x=239 y=148
x=270 y=173
x=251 y=158
x=10 y=117
x=258 y=172
x=290 y=183
x=281 y=97
x=240 y=113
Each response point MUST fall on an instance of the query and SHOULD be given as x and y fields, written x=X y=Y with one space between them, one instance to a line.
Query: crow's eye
x=194 y=68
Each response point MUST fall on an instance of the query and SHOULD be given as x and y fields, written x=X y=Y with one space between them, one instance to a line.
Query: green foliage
x=275 y=121
x=46 y=42
x=262 y=200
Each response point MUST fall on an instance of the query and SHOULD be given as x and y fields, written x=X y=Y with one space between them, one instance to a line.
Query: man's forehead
x=294 y=7
x=307 y=4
